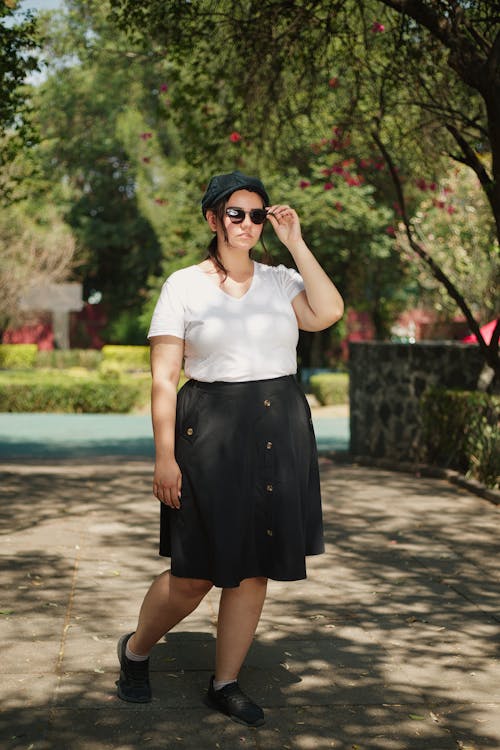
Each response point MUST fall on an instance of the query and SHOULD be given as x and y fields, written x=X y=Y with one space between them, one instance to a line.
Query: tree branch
x=490 y=355
x=471 y=159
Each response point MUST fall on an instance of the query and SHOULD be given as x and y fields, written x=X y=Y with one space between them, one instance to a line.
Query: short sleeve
x=290 y=281
x=169 y=313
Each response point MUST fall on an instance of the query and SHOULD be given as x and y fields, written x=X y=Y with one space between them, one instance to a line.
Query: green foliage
x=126 y=357
x=18 y=47
x=61 y=359
x=461 y=429
x=68 y=392
x=18 y=356
x=330 y=388
x=453 y=219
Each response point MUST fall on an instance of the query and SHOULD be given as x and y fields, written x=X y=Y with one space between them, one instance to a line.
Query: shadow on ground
x=391 y=643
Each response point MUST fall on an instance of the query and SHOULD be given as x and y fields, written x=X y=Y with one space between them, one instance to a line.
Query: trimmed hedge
x=330 y=388
x=461 y=430
x=61 y=359
x=56 y=391
x=127 y=357
x=18 y=356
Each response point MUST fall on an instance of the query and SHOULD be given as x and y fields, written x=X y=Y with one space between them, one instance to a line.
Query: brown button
x=269 y=532
x=269 y=445
x=267 y=402
x=269 y=487
x=189 y=431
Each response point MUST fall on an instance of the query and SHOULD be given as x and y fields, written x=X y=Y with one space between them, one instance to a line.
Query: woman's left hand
x=286 y=224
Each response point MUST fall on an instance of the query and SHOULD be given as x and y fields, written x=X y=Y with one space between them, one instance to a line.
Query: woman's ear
x=212 y=220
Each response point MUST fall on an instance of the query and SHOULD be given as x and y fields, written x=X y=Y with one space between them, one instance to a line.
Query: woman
x=236 y=467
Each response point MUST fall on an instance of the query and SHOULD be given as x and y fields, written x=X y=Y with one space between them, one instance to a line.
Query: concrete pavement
x=391 y=643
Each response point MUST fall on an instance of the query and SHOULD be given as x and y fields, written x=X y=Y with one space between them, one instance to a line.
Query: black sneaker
x=233 y=702
x=133 y=683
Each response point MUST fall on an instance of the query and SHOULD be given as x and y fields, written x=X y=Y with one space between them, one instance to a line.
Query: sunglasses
x=237 y=215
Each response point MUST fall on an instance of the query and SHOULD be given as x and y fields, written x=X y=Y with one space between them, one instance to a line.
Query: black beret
x=223 y=185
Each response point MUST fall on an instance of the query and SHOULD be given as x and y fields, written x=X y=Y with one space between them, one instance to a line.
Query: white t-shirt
x=250 y=338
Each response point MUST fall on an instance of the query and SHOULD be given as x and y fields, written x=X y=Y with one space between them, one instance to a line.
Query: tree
x=18 y=47
x=93 y=77
x=419 y=78
x=36 y=248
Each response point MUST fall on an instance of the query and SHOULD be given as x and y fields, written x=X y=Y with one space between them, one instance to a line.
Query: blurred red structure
x=486 y=332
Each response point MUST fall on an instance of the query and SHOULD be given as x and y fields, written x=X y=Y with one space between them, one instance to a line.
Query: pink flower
x=235 y=137
x=377 y=28
x=164 y=87
x=145 y=136
x=333 y=82
x=304 y=184
x=328 y=186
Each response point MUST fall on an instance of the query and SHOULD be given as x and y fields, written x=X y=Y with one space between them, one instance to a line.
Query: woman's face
x=245 y=234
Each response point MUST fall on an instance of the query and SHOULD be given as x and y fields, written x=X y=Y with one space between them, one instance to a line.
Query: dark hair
x=218 y=209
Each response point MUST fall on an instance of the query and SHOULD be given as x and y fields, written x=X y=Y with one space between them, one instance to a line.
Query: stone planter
x=385 y=385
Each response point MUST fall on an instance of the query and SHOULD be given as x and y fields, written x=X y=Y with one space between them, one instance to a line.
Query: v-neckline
x=226 y=294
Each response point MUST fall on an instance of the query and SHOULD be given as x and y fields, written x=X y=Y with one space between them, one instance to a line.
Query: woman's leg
x=169 y=600
x=239 y=613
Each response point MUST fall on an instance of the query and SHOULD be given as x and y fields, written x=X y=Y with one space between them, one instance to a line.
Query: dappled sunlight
x=389 y=643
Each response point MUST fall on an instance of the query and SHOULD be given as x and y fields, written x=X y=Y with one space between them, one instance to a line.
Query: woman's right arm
x=166 y=362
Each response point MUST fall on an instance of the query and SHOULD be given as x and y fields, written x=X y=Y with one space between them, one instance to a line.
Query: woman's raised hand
x=286 y=223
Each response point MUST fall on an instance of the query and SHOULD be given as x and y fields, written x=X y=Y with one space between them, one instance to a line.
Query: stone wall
x=386 y=382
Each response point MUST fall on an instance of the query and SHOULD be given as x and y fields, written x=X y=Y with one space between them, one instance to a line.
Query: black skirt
x=250 y=502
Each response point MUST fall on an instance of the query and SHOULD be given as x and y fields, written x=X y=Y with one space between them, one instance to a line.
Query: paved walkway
x=391 y=643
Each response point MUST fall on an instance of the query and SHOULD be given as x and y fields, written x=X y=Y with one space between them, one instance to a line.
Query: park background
x=379 y=125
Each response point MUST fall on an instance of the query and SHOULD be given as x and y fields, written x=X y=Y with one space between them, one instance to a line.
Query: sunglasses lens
x=258 y=215
x=235 y=214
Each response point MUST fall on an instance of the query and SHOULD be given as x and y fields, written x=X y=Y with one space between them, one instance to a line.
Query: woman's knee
x=192 y=587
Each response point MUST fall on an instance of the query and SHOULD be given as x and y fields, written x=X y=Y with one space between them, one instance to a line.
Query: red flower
x=377 y=28
x=146 y=159
x=421 y=184
x=432 y=186
x=333 y=82
x=337 y=169
x=145 y=136
x=160 y=201
x=339 y=206
x=328 y=186
x=390 y=231
x=304 y=184
x=164 y=87
x=451 y=210
x=235 y=137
